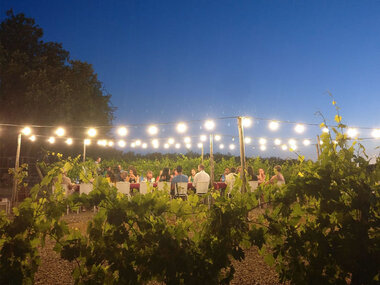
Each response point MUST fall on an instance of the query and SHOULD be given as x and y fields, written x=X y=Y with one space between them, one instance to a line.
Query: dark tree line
x=40 y=84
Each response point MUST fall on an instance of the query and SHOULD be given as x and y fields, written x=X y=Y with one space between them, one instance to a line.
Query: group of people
x=230 y=174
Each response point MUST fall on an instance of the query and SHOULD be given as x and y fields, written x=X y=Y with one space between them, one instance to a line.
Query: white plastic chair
x=123 y=187
x=163 y=185
x=181 y=189
x=202 y=188
x=143 y=188
x=253 y=185
x=85 y=188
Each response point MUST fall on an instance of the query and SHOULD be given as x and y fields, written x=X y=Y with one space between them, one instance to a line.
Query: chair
x=202 y=188
x=254 y=185
x=144 y=188
x=85 y=188
x=163 y=186
x=181 y=189
x=123 y=187
x=5 y=202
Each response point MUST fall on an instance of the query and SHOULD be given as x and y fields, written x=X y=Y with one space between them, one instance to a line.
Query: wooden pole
x=211 y=160
x=318 y=146
x=202 y=153
x=84 y=151
x=17 y=165
x=242 y=151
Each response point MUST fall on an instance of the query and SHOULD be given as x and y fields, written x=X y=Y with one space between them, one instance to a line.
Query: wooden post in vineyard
x=84 y=151
x=318 y=145
x=17 y=165
x=202 y=153
x=242 y=151
x=211 y=160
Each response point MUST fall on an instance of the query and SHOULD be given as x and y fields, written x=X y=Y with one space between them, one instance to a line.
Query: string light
x=166 y=145
x=32 y=138
x=144 y=145
x=232 y=146
x=69 y=141
x=200 y=145
x=152 y=130
x=133 y=145
x=325 y=130
x=292 y=142
x=188 y=145
x=273 y=125
x=138 y=142
x=284 y=147
x=352 y=133
x=262 y=141
x=187 y=140
x=181 y=128
x=247 y=140
x=263 y=147
x=121 y=143
x=111 y=143
x=102 y=142
x=155 y=143
x=26 y=131
x=60 y=132
x=217 y=138
x=306 y=142
x=203 y=138
x=299 y=128
x=91 y=132
x=277 y=141
x=221 y=146
x=171 y=141
x=177 y=145
x=293 y=147
x=122 y=131
x=376 y=133
x=247 y=122
x=87 y=141
x=209 y=125
x=51 y=140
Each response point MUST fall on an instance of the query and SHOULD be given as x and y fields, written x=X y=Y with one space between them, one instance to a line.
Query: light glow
x=122 y=131
x=91 y=132
x=152 y=130
x=203 y=138
x=188 y=145
x=200 y=145
x=277 y=141
x=111 y=143
x=26 y=131
x=121 y=143
x=352 y=133
x=263 y=148
x=32 y=138
x=171 y=141
x=247 y=122
x=325 y=130
x=166 y=145
x=181 y=128
x=376 y=133
x=247 y=140
x=87 y=141
x=60 y=132
x=221 y=146
x=217 y=138
x=69 y=141
x=51 y=140
x=138 y=142
x=273 y=125
x=177 y=145
x=187 y=140
x=144 y=145
x=262 y=141
x=232 y=146
x=306 y=142
x=299 y=128
x=209 y=125
x=284 y=147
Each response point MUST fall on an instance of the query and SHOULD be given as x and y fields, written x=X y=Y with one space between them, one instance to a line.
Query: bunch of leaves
x=324 y=225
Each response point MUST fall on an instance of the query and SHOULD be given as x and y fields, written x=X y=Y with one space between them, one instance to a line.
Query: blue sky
x=184 y=60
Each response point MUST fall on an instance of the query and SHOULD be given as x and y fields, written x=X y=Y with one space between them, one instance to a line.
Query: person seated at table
x=223 y=176
x=277 y=177
x=251 y=174
x=201 y=176
x=191 y=177
x=230 y=178
x=165 y=175
x=179 y=177
x=173 y=174
x=110 y=175
x=72 y=188
x=261 y=176
x=132 y=177
x=148 y=177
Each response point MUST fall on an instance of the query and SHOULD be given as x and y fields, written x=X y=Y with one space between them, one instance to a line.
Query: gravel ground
x=54 y=270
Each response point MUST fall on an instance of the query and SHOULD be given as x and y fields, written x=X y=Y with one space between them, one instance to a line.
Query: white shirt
x=201 y=176
x=230 y=180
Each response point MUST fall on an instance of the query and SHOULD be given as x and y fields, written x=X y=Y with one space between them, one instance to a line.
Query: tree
x=40 y=84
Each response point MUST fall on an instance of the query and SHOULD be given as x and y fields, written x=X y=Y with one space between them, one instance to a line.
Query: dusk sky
x=166 y=61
